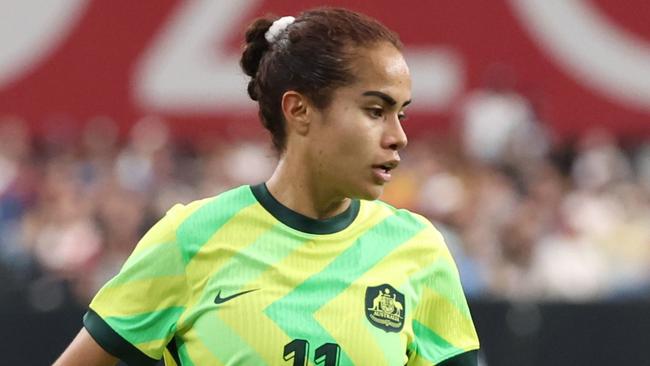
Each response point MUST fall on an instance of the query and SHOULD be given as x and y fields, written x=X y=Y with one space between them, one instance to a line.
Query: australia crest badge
x=385 y=307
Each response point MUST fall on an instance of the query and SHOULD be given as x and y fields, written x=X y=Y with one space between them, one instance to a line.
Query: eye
x=375 y=112
x=402 y=116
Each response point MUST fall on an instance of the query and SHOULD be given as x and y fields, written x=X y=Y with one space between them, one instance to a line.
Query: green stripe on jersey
x=444 y=273
x=253 y=260
x=197 y=229
x=223 y=343
x=156 y=261
x=442 y=349
x=245 y=266
x=322 y=287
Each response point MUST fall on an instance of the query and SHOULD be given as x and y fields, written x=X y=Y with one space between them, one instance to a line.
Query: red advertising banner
x=582 y=63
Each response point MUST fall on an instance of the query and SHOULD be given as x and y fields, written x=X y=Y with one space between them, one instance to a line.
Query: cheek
x=347 y=143
x=352 y=148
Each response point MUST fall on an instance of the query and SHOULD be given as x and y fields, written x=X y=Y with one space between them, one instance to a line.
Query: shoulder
x=197 y=220
x=407 y=221
x=210 y=209
x=401 y=217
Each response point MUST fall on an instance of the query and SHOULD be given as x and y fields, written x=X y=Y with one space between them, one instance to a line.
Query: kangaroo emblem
x=385 y=307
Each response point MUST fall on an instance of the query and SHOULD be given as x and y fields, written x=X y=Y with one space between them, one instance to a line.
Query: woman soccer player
x=307 y=268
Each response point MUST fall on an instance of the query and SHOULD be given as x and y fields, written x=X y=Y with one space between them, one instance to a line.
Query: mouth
x=383 y=170
x=387 y=165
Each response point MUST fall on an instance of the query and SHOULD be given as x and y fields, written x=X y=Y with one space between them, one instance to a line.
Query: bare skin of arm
x=84 y=351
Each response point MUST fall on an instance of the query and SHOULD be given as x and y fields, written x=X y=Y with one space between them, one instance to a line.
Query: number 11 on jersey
x=298 y=350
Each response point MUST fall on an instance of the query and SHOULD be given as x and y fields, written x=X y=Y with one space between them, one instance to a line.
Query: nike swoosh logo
x=221 y=300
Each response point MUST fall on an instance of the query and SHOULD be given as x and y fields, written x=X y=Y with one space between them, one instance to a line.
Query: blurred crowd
x=526 y=217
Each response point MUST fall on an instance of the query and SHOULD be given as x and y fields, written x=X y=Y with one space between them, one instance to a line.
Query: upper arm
x=135 y=315
x=85 y=351
x=444 y=333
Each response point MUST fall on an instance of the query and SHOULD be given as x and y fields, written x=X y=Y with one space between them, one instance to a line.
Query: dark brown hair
x=312 y=56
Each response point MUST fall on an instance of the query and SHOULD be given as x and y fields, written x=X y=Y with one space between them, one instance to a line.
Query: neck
x=294 y=185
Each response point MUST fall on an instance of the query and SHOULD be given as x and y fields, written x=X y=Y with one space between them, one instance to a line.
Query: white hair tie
x=277 y=27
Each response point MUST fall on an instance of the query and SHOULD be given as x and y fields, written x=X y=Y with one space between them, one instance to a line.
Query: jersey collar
x=301 y=222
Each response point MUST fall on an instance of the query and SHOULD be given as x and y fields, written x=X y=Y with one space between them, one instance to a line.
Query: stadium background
x=529 y=148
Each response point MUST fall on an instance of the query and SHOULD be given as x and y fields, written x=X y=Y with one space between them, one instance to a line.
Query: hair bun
x=256 y=46
x=252 y=89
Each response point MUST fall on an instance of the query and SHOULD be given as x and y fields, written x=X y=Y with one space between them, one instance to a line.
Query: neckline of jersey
x=301 y=222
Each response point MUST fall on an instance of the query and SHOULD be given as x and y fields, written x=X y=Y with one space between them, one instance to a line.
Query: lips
x=387 y=166
x=383 y=170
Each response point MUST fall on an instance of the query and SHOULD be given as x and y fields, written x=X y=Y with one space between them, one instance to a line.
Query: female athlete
x=308 y=267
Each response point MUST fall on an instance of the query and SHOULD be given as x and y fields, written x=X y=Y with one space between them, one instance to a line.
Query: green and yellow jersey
x=239 y=279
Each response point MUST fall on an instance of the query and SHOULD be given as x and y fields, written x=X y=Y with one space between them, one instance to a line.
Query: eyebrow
x=385 y=97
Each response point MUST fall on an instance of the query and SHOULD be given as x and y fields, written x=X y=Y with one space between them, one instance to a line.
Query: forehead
x=383 y=68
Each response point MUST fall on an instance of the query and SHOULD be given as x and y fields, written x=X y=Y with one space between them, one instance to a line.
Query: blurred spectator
x=73 y=207
x=498 y=125
x=17 y=191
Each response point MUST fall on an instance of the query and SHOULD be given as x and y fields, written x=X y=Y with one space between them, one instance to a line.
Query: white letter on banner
x=600 y=54
x=187 y=69
x=30 y=30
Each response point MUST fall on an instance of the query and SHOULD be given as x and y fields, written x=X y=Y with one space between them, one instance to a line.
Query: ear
x=297 y=111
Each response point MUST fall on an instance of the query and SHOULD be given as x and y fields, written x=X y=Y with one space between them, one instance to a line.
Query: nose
x=394 y=135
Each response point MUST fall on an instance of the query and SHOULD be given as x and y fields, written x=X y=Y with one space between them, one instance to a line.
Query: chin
x=370 y=193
